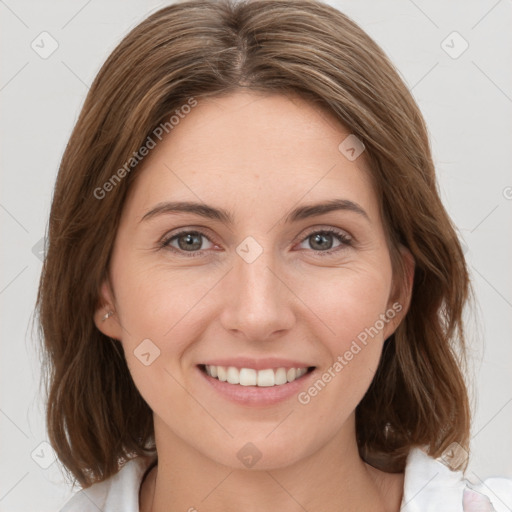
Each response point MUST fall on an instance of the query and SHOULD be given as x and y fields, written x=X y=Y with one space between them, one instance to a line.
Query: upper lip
x=258 y=364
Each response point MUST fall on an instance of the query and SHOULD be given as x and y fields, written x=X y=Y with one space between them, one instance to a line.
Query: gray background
x=466 y=100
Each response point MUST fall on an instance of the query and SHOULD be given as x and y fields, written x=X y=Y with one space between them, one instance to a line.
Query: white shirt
x=429 y=486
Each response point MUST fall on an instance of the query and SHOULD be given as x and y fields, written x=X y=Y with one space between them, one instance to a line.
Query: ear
x=105 y=316
x=400 y=297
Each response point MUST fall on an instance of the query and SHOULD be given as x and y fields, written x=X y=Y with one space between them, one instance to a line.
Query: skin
x=258 y=156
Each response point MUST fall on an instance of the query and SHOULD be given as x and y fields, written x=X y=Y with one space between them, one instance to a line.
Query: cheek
x=161 y=310
x=158 y=309
x=153 y=301
x=349 y=303
x=354 y=308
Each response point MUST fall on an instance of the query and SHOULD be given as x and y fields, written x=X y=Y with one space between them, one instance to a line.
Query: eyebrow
x=224 y=216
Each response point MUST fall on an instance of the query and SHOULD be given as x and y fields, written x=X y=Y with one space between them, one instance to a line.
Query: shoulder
x=119 y=493
x=430 y=485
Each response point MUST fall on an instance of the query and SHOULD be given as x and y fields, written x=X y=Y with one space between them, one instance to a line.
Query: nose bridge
x=258 y=300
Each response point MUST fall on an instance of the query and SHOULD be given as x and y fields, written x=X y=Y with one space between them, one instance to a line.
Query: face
x=257 y=292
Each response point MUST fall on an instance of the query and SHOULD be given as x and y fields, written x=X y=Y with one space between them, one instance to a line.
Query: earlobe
x=105 y=316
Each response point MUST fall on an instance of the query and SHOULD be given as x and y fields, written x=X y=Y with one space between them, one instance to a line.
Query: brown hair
x=95 y=415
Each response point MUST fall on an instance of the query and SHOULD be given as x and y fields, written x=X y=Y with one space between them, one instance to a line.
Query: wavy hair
x=96 y=418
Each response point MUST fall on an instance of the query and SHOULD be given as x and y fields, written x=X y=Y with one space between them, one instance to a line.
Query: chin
x=260 y=453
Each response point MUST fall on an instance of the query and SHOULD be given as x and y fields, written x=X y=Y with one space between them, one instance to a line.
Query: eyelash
x=342 y=237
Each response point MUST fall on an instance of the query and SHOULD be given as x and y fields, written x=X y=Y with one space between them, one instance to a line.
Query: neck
x=333 y=479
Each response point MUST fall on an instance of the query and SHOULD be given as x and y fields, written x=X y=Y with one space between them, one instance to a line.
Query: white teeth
x=281 y=376
x=233 y=375
x=221 y=373
x=266 y=378
x=248 y=377
x=251 y=377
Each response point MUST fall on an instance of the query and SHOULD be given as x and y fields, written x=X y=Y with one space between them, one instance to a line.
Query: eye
x=187 y=241
x=321 y=241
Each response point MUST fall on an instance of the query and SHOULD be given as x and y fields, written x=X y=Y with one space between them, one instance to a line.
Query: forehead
x=253 y=148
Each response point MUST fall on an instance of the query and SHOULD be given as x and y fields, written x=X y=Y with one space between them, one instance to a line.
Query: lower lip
x=255 y=395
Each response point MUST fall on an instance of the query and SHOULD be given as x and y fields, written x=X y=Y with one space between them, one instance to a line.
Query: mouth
x=251 y=377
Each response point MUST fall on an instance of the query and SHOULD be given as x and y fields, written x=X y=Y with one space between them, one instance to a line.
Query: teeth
x=251 y=377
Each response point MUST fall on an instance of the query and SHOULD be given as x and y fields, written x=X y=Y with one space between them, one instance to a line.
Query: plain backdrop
x=454 y=56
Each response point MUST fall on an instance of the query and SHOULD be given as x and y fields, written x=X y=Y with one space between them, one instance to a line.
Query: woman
x=253 y=296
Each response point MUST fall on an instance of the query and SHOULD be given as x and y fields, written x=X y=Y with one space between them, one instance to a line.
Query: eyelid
x=201 y=230
x=327 y=228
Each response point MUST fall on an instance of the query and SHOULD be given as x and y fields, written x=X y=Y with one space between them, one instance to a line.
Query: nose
x=258 y=302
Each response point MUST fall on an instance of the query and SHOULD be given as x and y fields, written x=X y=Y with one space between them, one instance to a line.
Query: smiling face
x=257 y=286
